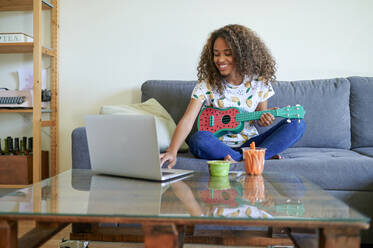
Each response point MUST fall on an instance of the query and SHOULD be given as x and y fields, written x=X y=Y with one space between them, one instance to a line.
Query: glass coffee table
x=273 y=209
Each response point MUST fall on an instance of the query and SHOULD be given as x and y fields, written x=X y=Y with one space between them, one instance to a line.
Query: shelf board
x=23 y=47
x=13 y=186
x=15 y=110
x=22 y=110
x=21 y=5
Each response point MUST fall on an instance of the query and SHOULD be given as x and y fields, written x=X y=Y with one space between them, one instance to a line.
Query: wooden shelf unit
x=35 y=47
x=23 y=47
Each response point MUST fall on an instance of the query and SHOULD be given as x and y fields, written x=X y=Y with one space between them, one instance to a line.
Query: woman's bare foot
x=277 y=156
x=229 y=158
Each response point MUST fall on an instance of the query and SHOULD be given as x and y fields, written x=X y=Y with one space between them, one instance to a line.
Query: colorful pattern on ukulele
x=213 y=120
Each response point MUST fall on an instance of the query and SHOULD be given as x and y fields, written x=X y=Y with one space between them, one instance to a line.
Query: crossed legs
x=277 y=139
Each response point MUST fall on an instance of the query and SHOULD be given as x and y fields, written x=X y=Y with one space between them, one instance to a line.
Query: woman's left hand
x=266 y=119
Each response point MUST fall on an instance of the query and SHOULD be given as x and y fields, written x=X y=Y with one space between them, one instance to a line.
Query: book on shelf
x=15 y=37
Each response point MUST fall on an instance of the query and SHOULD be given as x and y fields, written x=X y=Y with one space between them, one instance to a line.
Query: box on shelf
x=17 y=169
x=15 y=37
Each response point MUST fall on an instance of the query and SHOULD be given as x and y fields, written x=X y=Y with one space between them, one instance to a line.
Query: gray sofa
x=336 y=151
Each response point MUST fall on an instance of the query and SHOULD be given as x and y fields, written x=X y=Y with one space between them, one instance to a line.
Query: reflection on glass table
x=271 y=196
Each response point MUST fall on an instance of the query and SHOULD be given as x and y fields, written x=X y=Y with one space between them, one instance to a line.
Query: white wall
x=109 y=48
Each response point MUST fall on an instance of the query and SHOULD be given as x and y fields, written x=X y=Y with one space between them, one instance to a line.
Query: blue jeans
x=203 y=144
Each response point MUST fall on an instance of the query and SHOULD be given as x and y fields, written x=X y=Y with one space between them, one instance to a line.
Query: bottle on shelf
x=16 y=146
x=9 y=141
x=24 y=145
x=6 y=147
x=30 y=145
x=21 y=150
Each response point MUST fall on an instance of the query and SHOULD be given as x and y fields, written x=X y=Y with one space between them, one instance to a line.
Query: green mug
x=219 y=168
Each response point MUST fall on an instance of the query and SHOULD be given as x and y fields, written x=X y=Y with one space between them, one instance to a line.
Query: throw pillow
x=164 y=123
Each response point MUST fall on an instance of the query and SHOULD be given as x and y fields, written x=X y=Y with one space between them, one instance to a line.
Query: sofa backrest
x=326 y=103
x=361 y=104
x=327 y=110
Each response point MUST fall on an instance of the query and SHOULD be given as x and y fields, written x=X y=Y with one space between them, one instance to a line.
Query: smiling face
x=224 y=61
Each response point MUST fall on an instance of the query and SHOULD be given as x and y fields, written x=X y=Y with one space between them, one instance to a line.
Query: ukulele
x=220 y=121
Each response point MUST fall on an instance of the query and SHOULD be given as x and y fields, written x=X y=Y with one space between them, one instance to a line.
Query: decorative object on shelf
x=22 y=98
x=26 y=78
x=15 y=37
x=19 y=99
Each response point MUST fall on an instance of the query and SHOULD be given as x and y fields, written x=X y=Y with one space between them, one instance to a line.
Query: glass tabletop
x=237 y=196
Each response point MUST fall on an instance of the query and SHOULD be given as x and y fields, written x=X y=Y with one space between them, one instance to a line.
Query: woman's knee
x=298 y=127
x=200 y=139
x=296 y=124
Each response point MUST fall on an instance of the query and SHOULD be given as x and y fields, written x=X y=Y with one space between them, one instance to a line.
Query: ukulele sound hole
x=226 y=119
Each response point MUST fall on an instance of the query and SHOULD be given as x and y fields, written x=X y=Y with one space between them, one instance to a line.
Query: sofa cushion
x=327 y=110
x=361 y=111
x=173 y=95
x=329 y=168
x=367 y=151
x=164 y=123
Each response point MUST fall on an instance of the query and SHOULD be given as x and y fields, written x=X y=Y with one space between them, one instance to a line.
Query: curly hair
x=251 y=56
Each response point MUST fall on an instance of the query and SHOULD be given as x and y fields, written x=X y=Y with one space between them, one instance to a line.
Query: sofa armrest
x=79 y=149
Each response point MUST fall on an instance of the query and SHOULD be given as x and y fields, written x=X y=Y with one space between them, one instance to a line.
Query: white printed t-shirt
x=245 y=96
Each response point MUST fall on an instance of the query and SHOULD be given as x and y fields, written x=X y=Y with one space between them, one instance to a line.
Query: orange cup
x=254 y=160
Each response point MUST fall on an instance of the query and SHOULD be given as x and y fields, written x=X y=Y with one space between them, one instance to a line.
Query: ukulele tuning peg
x=288 y=120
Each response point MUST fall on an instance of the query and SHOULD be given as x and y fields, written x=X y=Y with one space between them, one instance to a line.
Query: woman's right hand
x=171 y=157
x=181 y=132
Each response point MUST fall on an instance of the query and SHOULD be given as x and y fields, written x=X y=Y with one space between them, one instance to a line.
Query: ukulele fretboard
x=246 y=116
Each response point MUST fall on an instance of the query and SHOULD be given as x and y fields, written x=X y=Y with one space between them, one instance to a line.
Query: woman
x=235 y=70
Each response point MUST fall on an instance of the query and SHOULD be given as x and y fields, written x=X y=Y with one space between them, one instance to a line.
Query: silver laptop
x=126 y=145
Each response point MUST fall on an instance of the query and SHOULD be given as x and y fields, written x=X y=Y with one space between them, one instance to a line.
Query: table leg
x=181 y=234
x=160 y=235
x=341 y=237
x=8 y=234
x=42 y=232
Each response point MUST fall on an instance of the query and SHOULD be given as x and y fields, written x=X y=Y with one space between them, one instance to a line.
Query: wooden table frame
x=170 y=232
